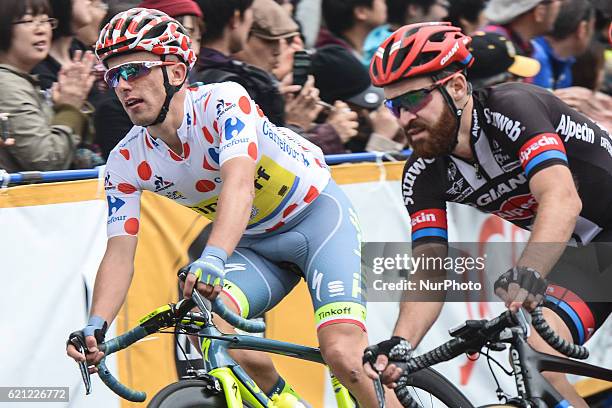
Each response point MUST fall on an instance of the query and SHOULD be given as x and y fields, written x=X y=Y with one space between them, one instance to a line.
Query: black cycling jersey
x=517 y=130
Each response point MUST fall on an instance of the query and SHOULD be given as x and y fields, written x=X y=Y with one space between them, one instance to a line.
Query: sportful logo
x=410 y=176
x=534 y=148
x=233 y=127
x=512 y=128
x=581 y=131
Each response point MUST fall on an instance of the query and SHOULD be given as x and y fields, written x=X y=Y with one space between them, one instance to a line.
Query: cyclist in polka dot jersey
x=278 y=217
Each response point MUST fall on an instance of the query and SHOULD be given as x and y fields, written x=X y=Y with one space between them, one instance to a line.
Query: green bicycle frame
x=238 y=387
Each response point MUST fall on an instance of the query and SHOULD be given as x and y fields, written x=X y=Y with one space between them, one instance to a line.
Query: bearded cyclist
x=513 y=150
x=267 y=190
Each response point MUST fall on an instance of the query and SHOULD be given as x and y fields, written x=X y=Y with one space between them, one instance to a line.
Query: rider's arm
x=235 y=202
x=114 y=277
x=420 y=310
x=558 y=208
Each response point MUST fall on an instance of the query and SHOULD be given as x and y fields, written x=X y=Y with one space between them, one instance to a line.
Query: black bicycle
x=471 y=337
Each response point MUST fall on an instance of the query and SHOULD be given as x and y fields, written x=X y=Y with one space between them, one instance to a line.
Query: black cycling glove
x=527 y=278
x=396 y=349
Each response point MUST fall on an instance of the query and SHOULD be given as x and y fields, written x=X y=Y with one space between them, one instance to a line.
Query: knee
x=343 y=356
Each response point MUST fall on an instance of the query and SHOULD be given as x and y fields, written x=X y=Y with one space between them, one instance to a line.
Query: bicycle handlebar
x=112 y=346
x=236 y=320
x=554 y=340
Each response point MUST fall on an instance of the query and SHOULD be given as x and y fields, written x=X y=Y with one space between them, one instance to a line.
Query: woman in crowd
x=43 y=132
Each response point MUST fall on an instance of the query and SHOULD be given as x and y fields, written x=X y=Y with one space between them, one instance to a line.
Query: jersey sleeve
x=424 y=201
x=234 y=116
x=122 y=196
x=521 y=115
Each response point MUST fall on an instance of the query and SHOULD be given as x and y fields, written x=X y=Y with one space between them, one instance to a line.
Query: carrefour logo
x=114 y=204
x=233 y=127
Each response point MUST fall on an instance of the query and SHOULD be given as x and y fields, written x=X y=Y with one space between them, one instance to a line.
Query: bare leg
x=342 y=346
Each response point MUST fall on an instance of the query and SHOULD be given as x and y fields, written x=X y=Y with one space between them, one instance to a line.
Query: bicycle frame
x=237 y=385
x=531 y=384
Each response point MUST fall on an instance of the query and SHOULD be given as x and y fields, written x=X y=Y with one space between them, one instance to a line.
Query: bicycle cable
x=178 y=343
x=501 y=394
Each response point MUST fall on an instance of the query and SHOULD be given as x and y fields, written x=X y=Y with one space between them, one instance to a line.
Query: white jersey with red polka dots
x=221 y=122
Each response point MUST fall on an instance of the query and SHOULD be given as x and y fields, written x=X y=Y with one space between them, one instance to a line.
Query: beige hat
x=271 y=21
x=504 y=11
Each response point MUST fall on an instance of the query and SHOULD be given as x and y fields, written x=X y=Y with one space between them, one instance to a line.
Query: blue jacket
x=555 y=72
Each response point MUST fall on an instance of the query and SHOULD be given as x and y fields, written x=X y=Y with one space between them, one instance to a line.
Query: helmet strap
x=170 y=91
x=456 y=111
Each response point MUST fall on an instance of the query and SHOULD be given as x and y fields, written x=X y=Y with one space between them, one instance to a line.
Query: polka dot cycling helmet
x=141 y=29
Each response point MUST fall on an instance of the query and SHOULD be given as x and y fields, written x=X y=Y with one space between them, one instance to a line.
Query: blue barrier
x=68 y=175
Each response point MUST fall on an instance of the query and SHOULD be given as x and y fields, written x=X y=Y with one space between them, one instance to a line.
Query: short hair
x=570 y=16
x=62 y=11
x=12 y=10
x=397 y=9
x=338 y=14
x=217 y=15
x=466 y=9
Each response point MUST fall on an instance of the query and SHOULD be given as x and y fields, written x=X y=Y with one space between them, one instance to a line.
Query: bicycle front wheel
x=430 y=389
x=188 y=394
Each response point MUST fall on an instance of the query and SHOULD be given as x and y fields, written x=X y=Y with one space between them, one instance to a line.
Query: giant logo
x=517 y=208
x=114 y=204
x=501 y=189
x=233 y=127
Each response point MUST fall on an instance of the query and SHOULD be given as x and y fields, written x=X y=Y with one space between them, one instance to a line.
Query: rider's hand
x=91 y=335
x=208 y=272
x=521 y=286
x=376 y=359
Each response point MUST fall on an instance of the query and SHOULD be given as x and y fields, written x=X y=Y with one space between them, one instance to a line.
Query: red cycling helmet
x=419 y=49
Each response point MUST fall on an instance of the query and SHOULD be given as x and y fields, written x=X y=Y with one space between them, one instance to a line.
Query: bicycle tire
x=188 y=394
x=436 y=384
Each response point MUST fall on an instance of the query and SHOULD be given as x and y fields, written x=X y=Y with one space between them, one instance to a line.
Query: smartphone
x=301 y=67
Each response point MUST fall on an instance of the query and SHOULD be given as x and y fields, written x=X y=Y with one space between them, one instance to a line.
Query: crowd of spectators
x=57 y=113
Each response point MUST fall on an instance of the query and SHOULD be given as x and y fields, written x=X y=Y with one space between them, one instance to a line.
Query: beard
x=440 y=139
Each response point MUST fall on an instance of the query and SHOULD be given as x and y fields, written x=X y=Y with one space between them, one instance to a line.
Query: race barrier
x=53 y=237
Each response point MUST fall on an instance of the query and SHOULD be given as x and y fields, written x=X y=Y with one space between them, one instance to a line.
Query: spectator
x=71 y=16
x=521 y=21
x=588 y=70
x=400 y=13
x=227 y=24
x=111 y=121
x=467 y=14
x=88 y=34
x=186 y=12
x=570 y=37
x=495 y=61
x=44 y=135
x=341 y=77
x=272 y=25
x=348 y=22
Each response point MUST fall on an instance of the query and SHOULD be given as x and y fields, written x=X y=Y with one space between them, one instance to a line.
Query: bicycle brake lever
x=524 y=320
x=380 y=392
x=77 y=342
